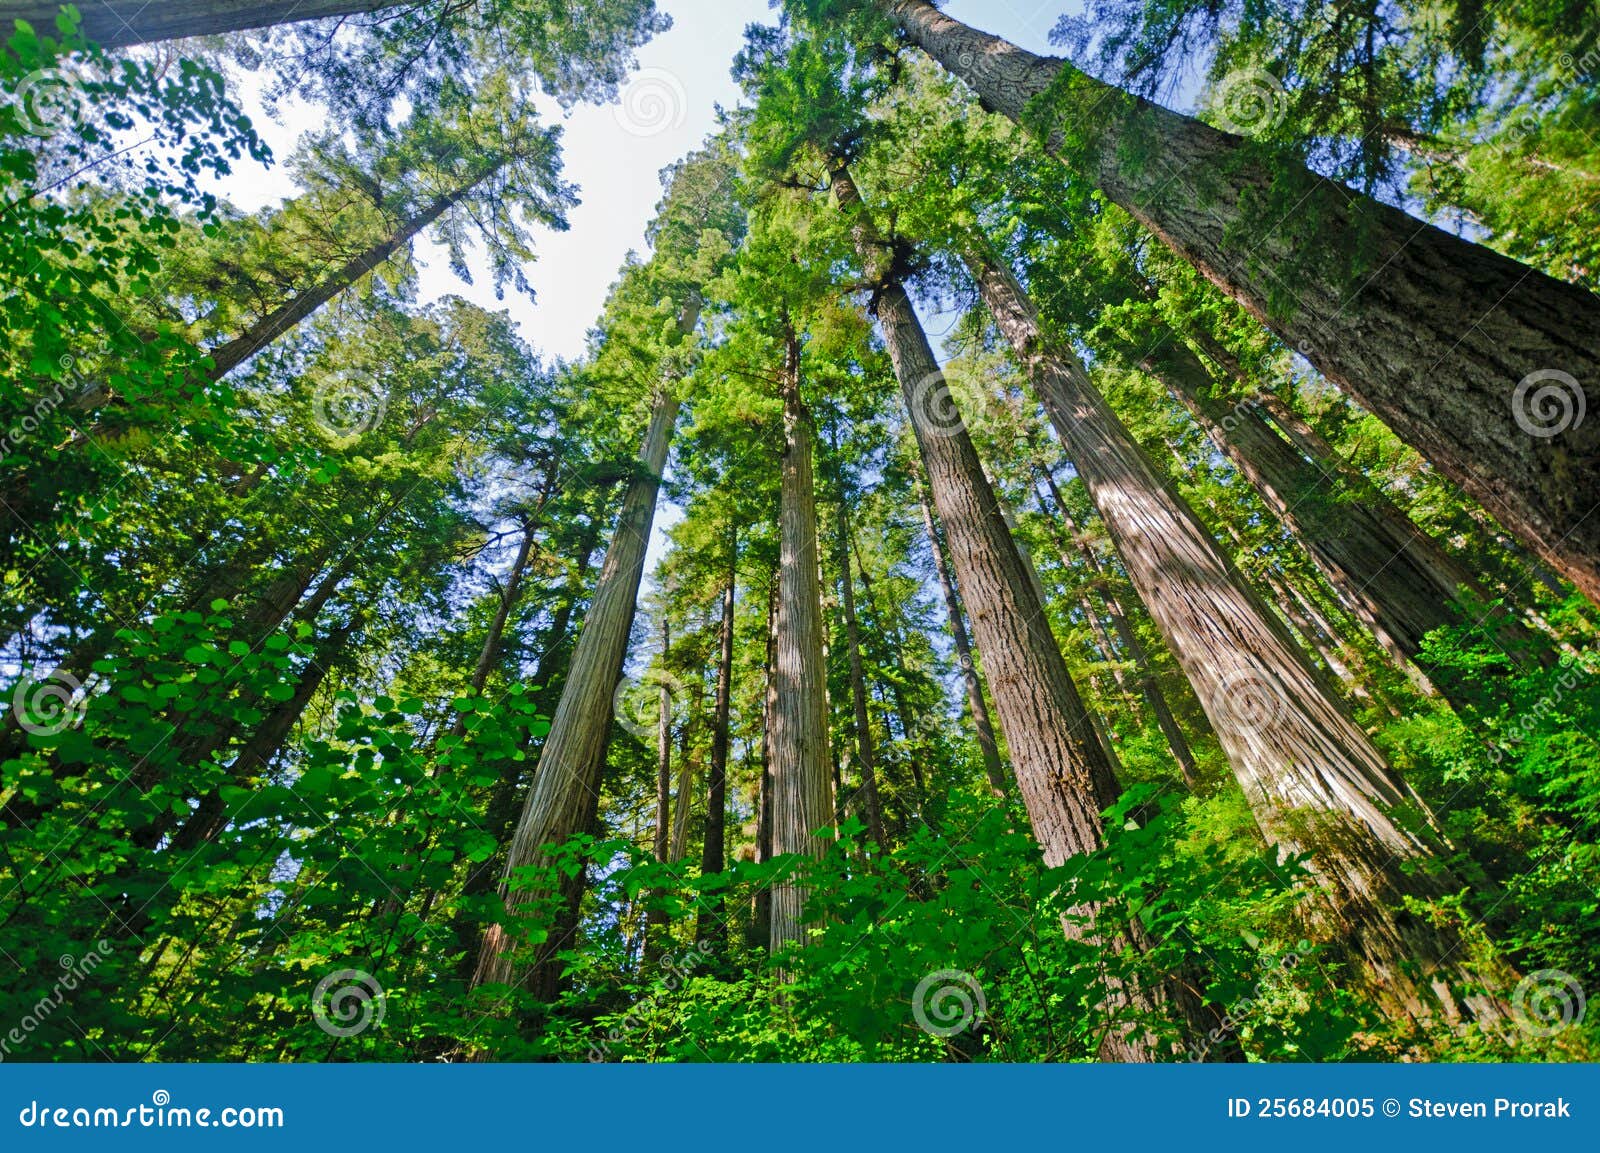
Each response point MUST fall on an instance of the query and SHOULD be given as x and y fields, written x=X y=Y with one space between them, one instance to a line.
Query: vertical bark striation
x=121 y=23
x=1458 y=349
x=1314 y=780
x=1062 y=772
x=977 y=707
x=566 y=784
x=713 y=856
x=802 y=795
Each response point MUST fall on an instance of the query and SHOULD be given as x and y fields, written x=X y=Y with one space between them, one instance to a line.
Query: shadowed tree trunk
x=289 y=315
x=1062 y=772
x=1471 y=358
x=977 y=707
x=1313 y=778
x=802 y=800
x=709 y=923
x=858 y=684
x=494 y=638
x=566 y=783
x=761 y=903
x=1154 y=697
x=121 y=23
x=655 y=917
x=1400 y=586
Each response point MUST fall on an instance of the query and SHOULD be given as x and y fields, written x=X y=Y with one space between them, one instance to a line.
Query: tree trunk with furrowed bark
x=858 y=685
x=1062 y=773
x=1400 y=593
x=566 y=783
x=121 y=23
x=291 y=313
x=709 y=924
x=977 y=707
x=656 y=916
x=802 y=793
x=1313 y=778
x=1154 y=697
x=1478 y=362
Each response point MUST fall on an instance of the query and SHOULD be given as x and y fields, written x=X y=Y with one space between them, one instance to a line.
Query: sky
x=615 y=155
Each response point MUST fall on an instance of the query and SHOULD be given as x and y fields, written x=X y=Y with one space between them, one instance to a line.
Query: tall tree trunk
x=1423 y=551
x=709 y=923
x=265 y=744
x=655 y=916
x=121 y=23
x=977 y=707
x=1455 y=347
x=761 y=903
x=858 y=684
x=683 y=802
x=290 y=314
x=1061 y=770
x=1399 y=588
x=1149 y=686
x=1108 y=654
x=1313 y=778
x=566 y=783
x=802 y=800
x=493 y=639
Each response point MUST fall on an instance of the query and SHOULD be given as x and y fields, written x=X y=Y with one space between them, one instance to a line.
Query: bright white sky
x=617 y=169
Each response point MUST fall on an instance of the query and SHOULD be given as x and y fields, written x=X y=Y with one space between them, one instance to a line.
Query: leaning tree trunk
x=802 y=796
x=1062 y=772
x=1475 y=360
x=976 y=705
x=121 y=23
x=1382 y=581
x=1314 y=780
x=709 y=922
x=225 y=358
x=1424 y=552
x=1149 y=686
x=566 y=783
